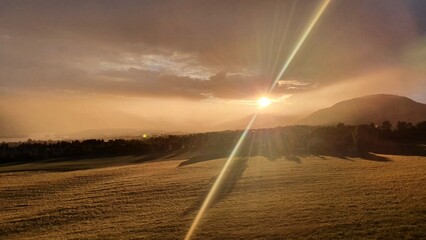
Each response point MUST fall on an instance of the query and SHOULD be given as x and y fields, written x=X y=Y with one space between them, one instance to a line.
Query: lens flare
x=305 y=34
x=217 y=184
x=219 y=180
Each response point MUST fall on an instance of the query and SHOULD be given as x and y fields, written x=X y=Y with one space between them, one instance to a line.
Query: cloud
x=294 y=84
x=181 y=65
x=138 y=82
x=72 y=65
x=196 y=49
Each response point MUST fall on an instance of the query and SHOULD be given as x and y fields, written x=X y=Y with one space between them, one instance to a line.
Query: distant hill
x=369 y=109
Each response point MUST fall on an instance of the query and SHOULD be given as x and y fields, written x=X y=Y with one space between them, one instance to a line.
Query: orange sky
x=197 y=65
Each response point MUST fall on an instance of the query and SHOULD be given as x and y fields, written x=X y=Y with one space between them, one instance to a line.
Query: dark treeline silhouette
x=341 y=139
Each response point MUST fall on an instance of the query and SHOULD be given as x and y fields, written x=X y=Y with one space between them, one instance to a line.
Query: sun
x=264 y=102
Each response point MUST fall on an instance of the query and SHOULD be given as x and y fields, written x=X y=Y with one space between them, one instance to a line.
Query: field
x=311 y=197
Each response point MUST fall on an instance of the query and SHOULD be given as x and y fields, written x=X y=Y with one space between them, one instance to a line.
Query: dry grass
x=310 y=198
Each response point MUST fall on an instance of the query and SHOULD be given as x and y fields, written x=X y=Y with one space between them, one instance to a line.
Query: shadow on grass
x=361 y=155
x=293 y=158
x=203 y=156
x=239 y=165
x=296 y=157
x=373 y=157
x=159 y=156
x=230 y=180
x=67 y=164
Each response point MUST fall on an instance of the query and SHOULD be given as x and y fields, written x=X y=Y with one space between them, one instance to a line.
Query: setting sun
x=264 y=102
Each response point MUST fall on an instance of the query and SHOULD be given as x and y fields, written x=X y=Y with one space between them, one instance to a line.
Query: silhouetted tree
x=364 y=137
x=270 y=143
x=386 y=126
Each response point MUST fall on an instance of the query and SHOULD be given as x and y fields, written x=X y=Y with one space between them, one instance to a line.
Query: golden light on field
x=264 y=102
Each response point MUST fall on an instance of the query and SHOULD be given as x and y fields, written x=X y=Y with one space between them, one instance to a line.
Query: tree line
x=274 y=142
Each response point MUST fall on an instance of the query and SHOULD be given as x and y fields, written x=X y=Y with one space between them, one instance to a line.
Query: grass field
x=296 y=198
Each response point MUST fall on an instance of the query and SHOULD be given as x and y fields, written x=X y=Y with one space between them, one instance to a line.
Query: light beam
x=305 y=34
x=228 y=162
x=219 y=180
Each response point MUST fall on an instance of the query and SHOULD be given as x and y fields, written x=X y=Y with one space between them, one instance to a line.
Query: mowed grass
x=306 y=198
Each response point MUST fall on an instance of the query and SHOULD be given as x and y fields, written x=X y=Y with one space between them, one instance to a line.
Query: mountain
x=369 y=109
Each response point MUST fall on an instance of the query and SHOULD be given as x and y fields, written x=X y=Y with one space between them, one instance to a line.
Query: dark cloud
x=135 y=82
x=241 y=45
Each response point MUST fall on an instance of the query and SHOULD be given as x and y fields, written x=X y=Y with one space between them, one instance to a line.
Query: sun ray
x=305 y=34
x=219 y=179
x=284 y=35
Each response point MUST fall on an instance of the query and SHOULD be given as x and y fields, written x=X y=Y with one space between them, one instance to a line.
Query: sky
x=185 y=66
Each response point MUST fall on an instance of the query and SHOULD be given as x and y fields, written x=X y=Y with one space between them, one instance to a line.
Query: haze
x=194 y=65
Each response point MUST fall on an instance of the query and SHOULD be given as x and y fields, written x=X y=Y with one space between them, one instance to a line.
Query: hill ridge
x=374 y=108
